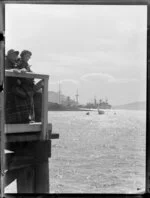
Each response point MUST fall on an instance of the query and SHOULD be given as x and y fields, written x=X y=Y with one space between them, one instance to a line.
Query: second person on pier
x=30 y=87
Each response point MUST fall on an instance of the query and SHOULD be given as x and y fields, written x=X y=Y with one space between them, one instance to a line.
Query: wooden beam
x=22 y=137
x=54 y=136
x=10 y=73
x=44 y=110
x=24 y=132
x=51 y=135
x=13 y=162
x=21 y=128
x=42 y=180
x=30 y=148
x=2 y=137
x=25 y=180
x=2 y=17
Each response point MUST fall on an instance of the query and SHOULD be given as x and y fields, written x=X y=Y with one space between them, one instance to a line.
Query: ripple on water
x=101 y=153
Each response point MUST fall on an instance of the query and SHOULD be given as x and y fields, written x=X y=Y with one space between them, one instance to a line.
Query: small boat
x=100 y=112
x=87 y=113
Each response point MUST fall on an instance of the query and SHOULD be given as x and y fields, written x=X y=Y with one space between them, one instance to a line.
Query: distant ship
x=101 y=105
x=104 y=104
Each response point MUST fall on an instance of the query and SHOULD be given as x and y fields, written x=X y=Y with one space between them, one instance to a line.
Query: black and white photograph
x=75 y=98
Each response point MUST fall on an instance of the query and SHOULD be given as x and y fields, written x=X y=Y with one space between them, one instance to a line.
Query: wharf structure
x=99 y=105
x=28 y=147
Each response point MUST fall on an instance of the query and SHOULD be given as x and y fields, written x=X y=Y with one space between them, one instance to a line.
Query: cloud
x=105 y=77
x=70 y=80
x=53 y=83
x=126 y=80
x=65 y=81
x=66 y=60
x=102 y=76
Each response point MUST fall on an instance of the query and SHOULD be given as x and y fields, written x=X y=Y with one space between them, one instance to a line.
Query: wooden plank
x=49 y=131
x=10 y=73
x=1 y=61
x=14 y=162
x=25 y=180
x=2 y=113
x=2 y=137
x=2 y=17
x=21 y=137
x=54 y=136
x=21 y=128
x=44 y=110
x=42 y=178
x=51 y=135
x=30 y=148
x=42 y=170
x=18 y=136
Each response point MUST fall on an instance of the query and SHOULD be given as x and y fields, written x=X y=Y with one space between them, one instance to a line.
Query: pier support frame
x=29 y=165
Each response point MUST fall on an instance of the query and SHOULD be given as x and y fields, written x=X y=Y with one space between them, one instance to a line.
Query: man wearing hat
x=17 y=107
x=11 y=59
x=11 y=63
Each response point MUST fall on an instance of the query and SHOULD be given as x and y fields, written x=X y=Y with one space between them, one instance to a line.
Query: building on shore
x=101 y=104
x=59 y=98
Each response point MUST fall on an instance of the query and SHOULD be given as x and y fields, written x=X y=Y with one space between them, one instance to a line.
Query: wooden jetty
x=28 y=147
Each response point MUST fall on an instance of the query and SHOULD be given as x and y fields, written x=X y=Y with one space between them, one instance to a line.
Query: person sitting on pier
x=27 y=83
x=30 y=87
x=17 y=107
x=19 y=95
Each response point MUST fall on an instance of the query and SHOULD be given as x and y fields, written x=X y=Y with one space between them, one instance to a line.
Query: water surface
x=98 y=153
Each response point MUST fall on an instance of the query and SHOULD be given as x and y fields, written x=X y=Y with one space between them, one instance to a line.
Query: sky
x=99 y=50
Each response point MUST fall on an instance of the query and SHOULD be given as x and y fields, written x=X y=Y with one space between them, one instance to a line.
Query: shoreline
x=71 y=109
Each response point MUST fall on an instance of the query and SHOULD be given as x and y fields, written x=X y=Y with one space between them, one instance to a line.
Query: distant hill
x=132 y=106
x=53 y=97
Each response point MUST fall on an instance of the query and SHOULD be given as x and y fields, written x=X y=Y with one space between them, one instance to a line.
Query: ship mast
x=77 y=96
x=106 y=99
x=59 y=94
x=95 y=102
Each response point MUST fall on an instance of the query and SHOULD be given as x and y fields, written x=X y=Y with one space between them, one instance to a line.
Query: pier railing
x=43 y=127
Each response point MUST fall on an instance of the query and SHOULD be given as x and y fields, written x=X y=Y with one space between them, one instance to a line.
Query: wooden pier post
x=42 y=182
x=35 y=178
x=2 y=137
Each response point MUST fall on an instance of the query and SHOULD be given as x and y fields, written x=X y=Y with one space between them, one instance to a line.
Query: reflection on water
x=98 y=153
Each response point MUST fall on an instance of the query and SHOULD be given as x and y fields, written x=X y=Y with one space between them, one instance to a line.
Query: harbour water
x=98 y=153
